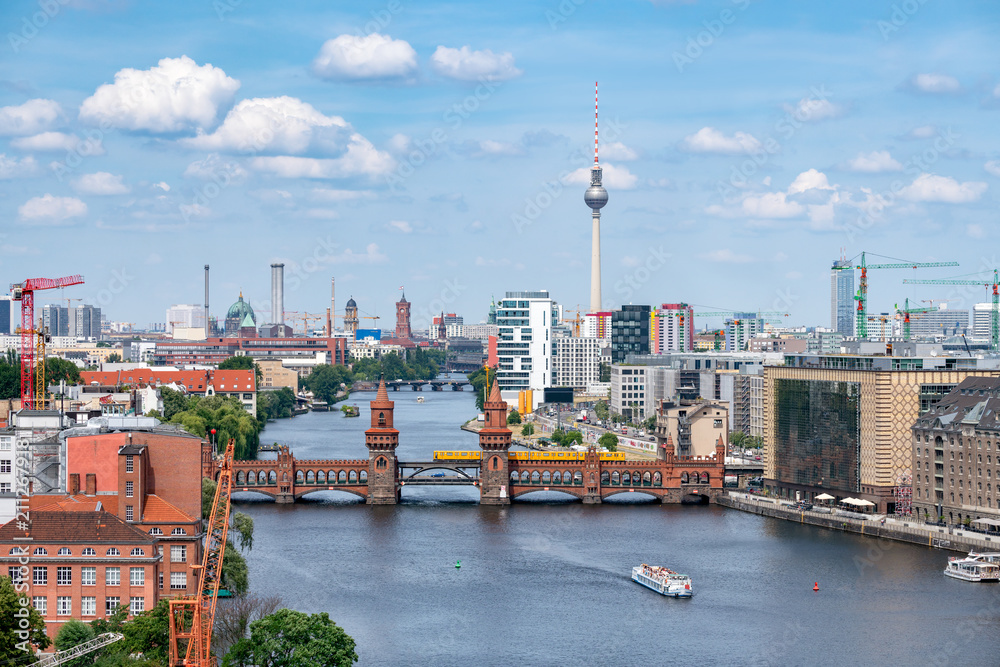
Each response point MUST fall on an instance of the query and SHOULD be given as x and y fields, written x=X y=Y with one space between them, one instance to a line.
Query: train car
x=475 y=455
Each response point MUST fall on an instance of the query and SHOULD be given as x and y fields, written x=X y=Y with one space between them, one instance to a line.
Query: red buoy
x=816 y=586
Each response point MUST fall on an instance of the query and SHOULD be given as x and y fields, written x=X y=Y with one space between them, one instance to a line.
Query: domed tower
x=351 y=317
x=237 y=316
x=494 y=440
x=596 y=198
x=403 y=317
x=382 y=440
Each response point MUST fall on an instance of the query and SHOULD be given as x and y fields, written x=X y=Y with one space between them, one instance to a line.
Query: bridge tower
x=382 y=440
x=494 y=440
x=592 y=477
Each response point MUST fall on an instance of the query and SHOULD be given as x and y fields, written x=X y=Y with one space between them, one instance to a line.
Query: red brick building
x=239 y=383
x=216 y=350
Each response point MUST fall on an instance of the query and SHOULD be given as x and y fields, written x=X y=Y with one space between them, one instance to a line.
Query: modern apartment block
x=524 y=341
x=629 y=332
x=576 y=362
x=671 y=328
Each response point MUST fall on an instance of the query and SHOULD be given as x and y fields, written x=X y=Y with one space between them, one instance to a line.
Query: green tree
x=478 y=381
x=528 y=429
x=290 y=638
x=114 y=358
x=235 y=574
x=557 y=436
x=243 y=525
x=75 y=632
x=226 y=415
x=173 y=402
x=514 y=417
x=604 y=372
x=326 y=381
x=572 y=437
x=58 y=370
x=649 y=423
x=148 y=633
x=601 y=409
x=609 y=441
x=17 y=644
x=208 y=487
x=242 y=363
x=10 y=376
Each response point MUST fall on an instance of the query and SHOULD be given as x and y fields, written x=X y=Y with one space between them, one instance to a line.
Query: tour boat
x=985 y=556
x=662 y=580
x=972 y=569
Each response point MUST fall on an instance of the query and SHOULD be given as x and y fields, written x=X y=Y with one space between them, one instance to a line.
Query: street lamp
x=213 y=438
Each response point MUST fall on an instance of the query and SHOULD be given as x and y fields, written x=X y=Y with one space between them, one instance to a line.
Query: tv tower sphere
x=595 y=196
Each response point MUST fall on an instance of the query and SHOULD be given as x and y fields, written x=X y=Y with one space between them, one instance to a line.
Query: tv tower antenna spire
x=595 y=197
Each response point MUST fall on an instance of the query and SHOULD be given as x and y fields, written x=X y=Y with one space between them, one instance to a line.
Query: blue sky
x=443 y=147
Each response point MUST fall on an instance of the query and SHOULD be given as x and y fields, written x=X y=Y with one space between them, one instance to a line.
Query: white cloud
x=59 y=142
x=11 y=167
x=361 y=158
x=465 y=64
x=329 y=194
x=996 y=91
x=615 y=178
x=322 y=214
x=100 y=183
x=810 y=180
x=152 y=259
x=922 y=132
x=491 y=147
x=810 y=109
x=371 y=255
x=213 y=167
x=616 y=150
x=32 y=117
x=975 y=231
x=771 y=205
x=710 y=140
x=993 y=167
x=492 y=261
x=175 y=95
x=162 y=185
x=195 y=211
x=631 y=261
x=727 y=256
x=810 y=194
x=874 y=162
x=936 y=83
x=400 y=143
x=933 y=188
x=49 y=210
x=401 y=225
x=373 y=56
x=274 y=124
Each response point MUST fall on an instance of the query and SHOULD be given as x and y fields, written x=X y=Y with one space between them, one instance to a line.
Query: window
x=40 y=576
x=5 y=465
x=88 y=552
x=128 y=512
x=64 y=552
x=41 y=604
x=155 y=531
x=64 y=605
x=129 y=489
x=40 y=551
x=178 y=531
x=136 y=576
x=113 y=576
x=161 y=581
x=15 y=574
x=178 y=554
x=138 y=552
x=88 y=576
x=88 y=606
x=111 y=604
x=64 y=576
x=136 y=605
x=178 y=580
x=129 y=463
x=5 y=487
x=114 y=552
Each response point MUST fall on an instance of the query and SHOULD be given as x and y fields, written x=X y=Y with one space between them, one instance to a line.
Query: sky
x=444 y=147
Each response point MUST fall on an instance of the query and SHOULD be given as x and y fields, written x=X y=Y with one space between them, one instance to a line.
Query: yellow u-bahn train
x=476 y=455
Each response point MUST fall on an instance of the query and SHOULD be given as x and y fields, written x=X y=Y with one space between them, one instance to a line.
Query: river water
x=546 y=582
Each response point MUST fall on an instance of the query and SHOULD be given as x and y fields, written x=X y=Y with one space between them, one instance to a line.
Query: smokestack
x=207 y=328
x=329 y=323
x=278 y=293
x=74 y=483
x=333 y=304
x=91 y=484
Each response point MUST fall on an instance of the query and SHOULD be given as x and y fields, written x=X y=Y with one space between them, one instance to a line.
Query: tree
x=601 y=409
x=609 y=441
x=478 y=382
x=572 y=437
x=557 y=436
x=528 y=429
x=226 y=415
x=235 y=574
x=114 y=358
x=208 y=487
x=604 y=372
x=17 y=643
x=326 y=382
x=58 y=370
x=514 y=417
x=290 y=638
x=233 y=619
x=242 y=363
x=148 y=633
x=10 y=376
x=243 y=525
x=649 y=423
x=75 y=632
x=173 y=402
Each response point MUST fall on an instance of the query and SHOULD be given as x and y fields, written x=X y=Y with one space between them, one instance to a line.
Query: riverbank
x=913 y=532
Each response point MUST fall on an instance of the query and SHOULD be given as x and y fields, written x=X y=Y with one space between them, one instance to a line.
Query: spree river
x=546 y=582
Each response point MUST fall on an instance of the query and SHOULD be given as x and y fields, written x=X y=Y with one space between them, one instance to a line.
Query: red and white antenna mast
x=595 y=122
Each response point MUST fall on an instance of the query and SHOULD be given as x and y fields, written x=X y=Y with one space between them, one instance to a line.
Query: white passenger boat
x=662 y=580
x=972 y=569
x=985 y=556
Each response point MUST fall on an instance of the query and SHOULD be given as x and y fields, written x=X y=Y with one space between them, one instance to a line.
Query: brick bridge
x=379 y=478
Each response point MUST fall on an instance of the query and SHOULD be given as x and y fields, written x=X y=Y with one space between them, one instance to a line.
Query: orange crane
x=25 y=293
x=191 y=619
x=305 y=318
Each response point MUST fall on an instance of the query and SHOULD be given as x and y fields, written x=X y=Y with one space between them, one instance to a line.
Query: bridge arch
x=272 y=478
x=360 y=493
x=567 y=491
x=261 y=492
x=631 y=491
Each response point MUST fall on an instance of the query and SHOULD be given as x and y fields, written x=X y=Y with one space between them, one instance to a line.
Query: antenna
x=595 y=123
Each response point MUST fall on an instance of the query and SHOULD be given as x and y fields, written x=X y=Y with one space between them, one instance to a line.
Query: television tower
x=595 y=197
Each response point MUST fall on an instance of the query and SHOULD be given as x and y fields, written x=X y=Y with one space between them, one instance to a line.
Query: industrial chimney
x=333 y=307
x=277 y=293
x=207 y=326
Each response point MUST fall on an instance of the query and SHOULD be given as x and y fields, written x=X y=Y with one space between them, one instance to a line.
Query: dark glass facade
x=818 y=433
x=629 y=332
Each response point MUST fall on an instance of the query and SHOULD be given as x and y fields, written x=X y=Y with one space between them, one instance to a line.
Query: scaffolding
x=902 y=493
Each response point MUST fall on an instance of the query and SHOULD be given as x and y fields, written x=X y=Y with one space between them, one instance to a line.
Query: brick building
x=242 y=384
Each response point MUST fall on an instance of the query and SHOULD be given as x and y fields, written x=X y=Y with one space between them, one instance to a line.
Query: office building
x=187 y=316
x=941 y=323
x=842 y=304
x=629 y=332
x=10 y=315
x=740 y=329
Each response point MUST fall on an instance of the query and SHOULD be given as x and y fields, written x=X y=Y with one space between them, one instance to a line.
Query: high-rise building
x=403 y=318
x=9 y=316
x=596 y=197
x=629 y=332
x=56 y=318
x=185 y=315
x=740 y=329
x=842 y=297
x=671 y=328
x=982 y=320
x=85 y=322
x=524 y=351
x=941 y=323
x=576 y=362
x=596 y=325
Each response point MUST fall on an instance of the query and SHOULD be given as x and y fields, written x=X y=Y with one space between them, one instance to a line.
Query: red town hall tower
x=403 y=318
x=382 y=440
x=494 y=440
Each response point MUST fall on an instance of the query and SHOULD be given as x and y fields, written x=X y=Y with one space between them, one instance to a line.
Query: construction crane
x=575 y=320
x=994 y=310
x=305 y=318
x=191 y=619
x=41 y=389
x=862 y=295
x=25 y=293
x=89 y=646
x=905 y=312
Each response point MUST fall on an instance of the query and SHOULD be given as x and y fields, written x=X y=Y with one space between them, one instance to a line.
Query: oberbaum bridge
x=501 y=478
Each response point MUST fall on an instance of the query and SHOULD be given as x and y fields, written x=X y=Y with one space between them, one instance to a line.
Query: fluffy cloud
x=59 y=142
x=373 y=56
x=49 y=210
x=616 y=178
x=935 y=83
x=813 y=109
x=922 y=132
x=361 y=158
x=616 y=150
x=11 y=167
x=274 y=124
x=876 y=161
x=491 y=147
x=175 y=95
x=810 y=194
x=993 y=167
x=32 y=117
x=771 y=205
x=100 y=183
x=710 y=140
x=727 y=256
x=934 y=188
x=401 y=226
x=465 y=64
x=213 y=167
x=976 y=231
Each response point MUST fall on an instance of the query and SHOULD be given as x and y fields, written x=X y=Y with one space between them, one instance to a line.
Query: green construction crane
x=905 y=312
x=862 y=296
x=994 y=311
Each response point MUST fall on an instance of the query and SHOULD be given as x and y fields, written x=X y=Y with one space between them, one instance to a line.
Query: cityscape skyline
x=439 y=157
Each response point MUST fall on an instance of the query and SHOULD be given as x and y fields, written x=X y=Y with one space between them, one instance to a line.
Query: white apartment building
x=14 y=342
x=596 y=325
x=8 y=501
x=982 y=314
x=471 y=331
x=576 y=362
x=756 y=406
x=524 y=342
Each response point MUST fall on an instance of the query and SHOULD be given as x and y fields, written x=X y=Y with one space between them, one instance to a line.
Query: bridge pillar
x=382 y=440
x=494 y=440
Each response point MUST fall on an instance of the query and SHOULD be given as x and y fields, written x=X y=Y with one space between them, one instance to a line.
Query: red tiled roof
x=158 y=510
x=88 y=527
x=226 y=381
x=64 y=504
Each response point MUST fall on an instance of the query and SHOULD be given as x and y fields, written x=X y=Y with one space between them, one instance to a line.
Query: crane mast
x=995 y=304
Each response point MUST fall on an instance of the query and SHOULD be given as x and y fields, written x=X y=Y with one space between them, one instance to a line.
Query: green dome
x=240 y=310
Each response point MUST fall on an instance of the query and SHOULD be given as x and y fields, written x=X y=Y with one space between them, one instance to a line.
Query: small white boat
x=663 y=580
x=985 y=556
x=420 y=399
x=972 y=569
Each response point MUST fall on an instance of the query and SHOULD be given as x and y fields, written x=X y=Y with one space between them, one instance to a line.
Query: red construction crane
x=192 y=619
x=25 y=293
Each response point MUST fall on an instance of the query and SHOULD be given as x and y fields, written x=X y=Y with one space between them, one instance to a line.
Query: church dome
x=351 y=304
x=240 y=310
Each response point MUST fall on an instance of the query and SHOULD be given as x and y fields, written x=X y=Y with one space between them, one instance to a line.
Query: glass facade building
x=842 y=303
x=629 y=332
